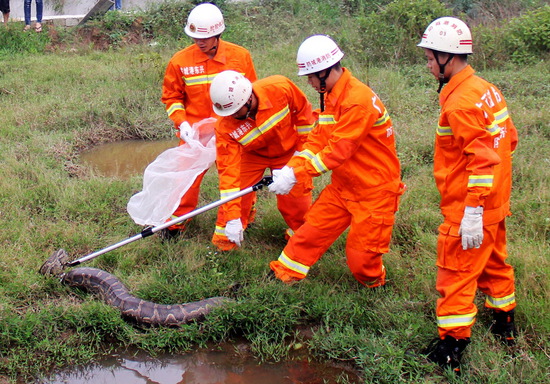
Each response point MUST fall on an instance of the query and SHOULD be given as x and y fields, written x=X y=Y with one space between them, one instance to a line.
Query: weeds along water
x=72 y=97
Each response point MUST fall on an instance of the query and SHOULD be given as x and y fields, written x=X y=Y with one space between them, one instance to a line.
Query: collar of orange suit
x=263 y=98
x=455 y=81
x=338 y=88
x=220 y=56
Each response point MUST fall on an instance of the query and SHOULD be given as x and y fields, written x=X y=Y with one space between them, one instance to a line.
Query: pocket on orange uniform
x=450 y=254
x=378 y=234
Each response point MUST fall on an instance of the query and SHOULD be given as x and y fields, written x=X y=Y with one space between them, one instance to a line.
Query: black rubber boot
x=447 y=352
x=504 y=327
x=168 y=235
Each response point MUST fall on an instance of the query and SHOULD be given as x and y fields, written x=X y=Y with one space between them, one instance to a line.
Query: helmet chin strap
x=212 y=51
x=323 y=87
x=248 y=106
x=442 y=78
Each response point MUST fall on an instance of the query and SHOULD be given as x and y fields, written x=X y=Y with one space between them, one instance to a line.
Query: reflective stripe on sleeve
x=444 y=131
x=326 y=119
x=175 y=107
x=382 y=120
x=293 y=265
x=307 y=154
x=480 y=181
x=493 y=129
x=304 y=129
x=318 y=164
x=501 y=115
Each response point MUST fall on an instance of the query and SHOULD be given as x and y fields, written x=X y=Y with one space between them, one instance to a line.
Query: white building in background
x=70 y=12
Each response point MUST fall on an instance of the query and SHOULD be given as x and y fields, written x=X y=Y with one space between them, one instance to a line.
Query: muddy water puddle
x=123 y=159
x=223 y=366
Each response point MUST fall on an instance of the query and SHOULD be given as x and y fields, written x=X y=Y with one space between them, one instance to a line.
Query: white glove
x=283 y=180
x=234 y=231
x=186 y=132
x=471 y=227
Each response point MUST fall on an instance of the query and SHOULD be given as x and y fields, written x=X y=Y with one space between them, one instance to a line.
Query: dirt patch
x=91 y=36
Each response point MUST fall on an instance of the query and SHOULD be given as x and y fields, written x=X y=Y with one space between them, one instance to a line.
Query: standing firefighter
x=185 y=90
x=472 y=167
x=355 y=140
x=262 y=125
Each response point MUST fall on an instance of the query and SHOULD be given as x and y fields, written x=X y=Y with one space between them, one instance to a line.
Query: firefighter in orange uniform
x=185 y=90
x=472 y=167
x=355 y=140
x=262 y=125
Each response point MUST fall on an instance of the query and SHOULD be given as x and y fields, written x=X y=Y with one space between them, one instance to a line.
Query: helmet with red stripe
x=229 y=92
x=316 y=53
x=449 y=35
x=204 y=21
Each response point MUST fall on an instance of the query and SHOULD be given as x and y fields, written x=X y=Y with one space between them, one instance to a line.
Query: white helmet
x=229 y=91
x=204 y=21
x=316 y=53
x=449 y=35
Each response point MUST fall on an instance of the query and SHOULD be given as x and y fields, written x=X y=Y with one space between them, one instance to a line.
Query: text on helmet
x=319 y=59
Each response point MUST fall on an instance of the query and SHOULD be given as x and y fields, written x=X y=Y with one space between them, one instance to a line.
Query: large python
x=115 y=293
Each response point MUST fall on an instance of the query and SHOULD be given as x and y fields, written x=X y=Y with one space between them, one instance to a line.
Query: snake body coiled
x=115 y=293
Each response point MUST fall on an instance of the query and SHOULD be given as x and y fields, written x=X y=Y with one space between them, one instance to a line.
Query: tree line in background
x=381 y=32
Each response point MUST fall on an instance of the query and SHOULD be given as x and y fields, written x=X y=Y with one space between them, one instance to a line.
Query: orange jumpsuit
x=246 y=148
x=472 y=167
x=186 y=93
x=355 y=140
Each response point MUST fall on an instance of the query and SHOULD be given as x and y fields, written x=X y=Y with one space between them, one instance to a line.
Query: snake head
x=55 y=264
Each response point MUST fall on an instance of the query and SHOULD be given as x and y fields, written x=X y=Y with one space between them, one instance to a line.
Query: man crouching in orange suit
x=355 y=140
x=261 y=126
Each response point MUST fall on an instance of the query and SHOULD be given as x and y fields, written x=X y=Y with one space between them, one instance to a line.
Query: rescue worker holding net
x=185 y=90
x=355 y=140
x=474 y=143
x=262 y=125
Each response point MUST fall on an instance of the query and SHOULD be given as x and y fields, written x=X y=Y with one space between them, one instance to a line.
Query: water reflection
x=203 y=367
x=123 y=159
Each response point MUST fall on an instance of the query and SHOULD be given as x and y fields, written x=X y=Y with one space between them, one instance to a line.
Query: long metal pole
x=152 y=230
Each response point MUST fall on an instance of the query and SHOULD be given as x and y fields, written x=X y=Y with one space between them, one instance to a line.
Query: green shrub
x=391 y=35
x=521 y=40
x=492 y=10
x=527 y=39
x=166 y=20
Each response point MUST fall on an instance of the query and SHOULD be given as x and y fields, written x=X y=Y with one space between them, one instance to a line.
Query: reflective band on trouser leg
x=497 y=279
x=455 y=321
x=287 y=262
x=221 y=241
x=500 y=302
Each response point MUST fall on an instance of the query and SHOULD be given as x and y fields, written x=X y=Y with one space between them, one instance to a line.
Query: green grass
x=54 y=105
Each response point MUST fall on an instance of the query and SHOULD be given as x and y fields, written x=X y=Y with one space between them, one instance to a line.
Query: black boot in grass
x=169 y=235
x=447 y=352
x=504 y=327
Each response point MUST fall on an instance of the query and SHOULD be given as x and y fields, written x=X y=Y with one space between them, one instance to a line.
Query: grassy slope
x=55 y=105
